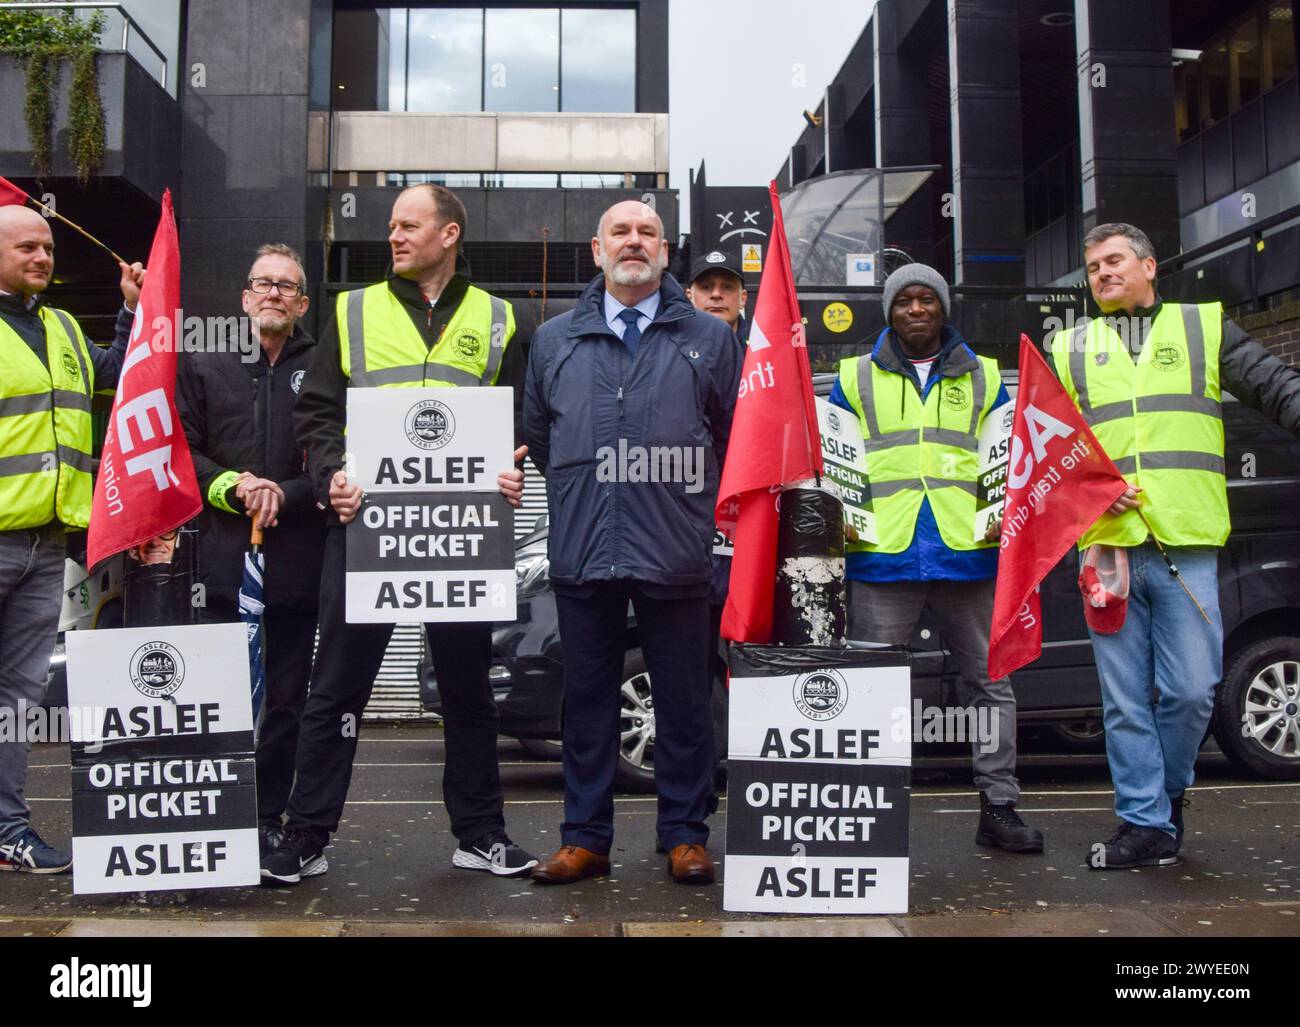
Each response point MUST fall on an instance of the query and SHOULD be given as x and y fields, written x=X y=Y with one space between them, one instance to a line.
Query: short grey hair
x=1137 y=239
x=279 y=249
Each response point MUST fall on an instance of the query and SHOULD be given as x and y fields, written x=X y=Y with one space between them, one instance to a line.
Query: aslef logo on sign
x=821 y=695
x=430 y=425
x=157 y=669
x=1008 y=420
x=833 y=419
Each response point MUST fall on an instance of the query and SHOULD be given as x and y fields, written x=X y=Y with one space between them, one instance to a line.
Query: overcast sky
x=736 y=99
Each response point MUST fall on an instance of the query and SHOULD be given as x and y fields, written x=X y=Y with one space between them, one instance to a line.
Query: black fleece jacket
x=238 y=416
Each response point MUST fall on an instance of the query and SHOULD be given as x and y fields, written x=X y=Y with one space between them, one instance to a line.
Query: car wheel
x=1084 y=735
x=1257 y=709
x=636 y=727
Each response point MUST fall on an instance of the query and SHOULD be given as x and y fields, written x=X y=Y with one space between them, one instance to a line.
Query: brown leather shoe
x=690 y=864
x=572 y=863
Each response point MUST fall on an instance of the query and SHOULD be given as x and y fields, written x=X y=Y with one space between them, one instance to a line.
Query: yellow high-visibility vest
x=1159 y=419
x=379 y=345
x=917 y=449
x=45 y=427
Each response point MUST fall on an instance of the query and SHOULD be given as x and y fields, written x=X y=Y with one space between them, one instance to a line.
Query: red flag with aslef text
x=146 y=484
x=1059 y=481
x=774 y=443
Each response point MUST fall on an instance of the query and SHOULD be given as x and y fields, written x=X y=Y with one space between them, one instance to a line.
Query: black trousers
x=289 y=633
x=675 y=641
x=342 y=679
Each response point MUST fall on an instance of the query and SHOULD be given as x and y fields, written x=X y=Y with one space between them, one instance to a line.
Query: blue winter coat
x=585 y=393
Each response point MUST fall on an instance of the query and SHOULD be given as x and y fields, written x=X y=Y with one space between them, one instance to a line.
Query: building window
x=469 y=59
x=522 y=60
x=1255 y=54
x=600 y=74
x=444 y=63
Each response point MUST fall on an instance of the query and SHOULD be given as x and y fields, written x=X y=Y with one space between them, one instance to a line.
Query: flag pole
x=1173 y=570
x=51 y=212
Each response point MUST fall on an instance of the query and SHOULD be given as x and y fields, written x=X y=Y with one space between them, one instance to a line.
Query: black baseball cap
x=715 y=261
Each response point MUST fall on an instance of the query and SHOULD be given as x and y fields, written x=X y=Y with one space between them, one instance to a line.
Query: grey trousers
x=31 y=596
x=887 y=612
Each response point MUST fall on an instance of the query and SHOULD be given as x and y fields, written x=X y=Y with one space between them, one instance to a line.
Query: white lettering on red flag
x=1059 y=482
x=146 y=484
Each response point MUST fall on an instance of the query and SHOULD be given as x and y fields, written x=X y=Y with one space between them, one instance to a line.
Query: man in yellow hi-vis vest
x=48 y=374
x=424 y=325
x=1148 y=377
x=921 y=396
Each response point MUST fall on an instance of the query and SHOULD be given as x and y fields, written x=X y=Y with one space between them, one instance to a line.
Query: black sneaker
x=269 y=838
x=1133 y=846
x=496 y=854
x=1176 y=804
x=1001 y=826
x=294 y=858
x=28 y=854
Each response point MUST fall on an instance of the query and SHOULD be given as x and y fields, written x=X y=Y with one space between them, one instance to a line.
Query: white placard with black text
x=995 y=454
x=434 y=540
x=818 y=788
x=164 y=794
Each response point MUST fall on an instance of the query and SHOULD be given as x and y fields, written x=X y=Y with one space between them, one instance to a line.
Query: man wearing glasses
x=237 y=408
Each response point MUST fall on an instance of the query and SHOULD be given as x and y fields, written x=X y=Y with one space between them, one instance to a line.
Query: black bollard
x=809 y=605
x=157 y=594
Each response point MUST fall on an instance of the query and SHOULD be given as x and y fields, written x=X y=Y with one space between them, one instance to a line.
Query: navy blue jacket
x=585 y=393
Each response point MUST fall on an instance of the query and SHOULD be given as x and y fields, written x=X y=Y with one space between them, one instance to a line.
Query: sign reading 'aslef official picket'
x=163 y=788
x=818 y=781
x=995 y=454
x=434 y=540
x=844 y=457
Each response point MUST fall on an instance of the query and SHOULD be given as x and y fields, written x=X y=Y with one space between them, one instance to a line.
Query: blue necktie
x=632 y=336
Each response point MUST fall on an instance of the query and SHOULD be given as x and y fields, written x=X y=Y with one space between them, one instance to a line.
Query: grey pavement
x=390 y=871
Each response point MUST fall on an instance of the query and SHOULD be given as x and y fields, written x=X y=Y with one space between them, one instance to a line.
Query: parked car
x=1257 y=709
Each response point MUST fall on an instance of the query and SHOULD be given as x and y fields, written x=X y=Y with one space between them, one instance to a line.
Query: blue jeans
x=1158 y=676
x=31 y=597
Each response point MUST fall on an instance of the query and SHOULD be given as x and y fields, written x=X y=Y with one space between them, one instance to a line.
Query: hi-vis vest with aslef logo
x=379 y=345
x=917 y=449
x=1159 y=419
x=45 y=427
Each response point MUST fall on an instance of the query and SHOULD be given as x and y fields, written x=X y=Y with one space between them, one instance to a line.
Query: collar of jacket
x=298 y=341
x=955 y=357
x=589 y=314
x=14 y=304
x=410 y=295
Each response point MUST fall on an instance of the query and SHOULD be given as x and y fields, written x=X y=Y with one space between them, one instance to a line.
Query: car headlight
x=531 y=567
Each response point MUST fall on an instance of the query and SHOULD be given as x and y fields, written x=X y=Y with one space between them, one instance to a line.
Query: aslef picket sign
x=434 y=540
x=163 y=782
x=818 y=781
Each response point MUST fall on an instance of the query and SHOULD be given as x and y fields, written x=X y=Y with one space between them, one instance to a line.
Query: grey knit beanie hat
x=915 y=274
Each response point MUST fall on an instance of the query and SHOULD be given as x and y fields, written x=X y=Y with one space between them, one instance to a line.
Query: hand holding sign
x=511 y=482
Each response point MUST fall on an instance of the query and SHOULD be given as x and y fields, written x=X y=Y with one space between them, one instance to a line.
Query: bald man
x=48 y=374
x=627 y=410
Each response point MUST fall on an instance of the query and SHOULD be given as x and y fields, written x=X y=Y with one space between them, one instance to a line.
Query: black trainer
x=1001 y=826
x=1176 y=804
x=496 y=854
x=294 y=858
x=1133 y=846
x=269 y=837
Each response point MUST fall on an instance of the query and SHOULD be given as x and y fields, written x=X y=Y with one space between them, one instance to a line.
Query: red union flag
x=11 y=195
x=1059 y=481
x=146 y=484
x=774 y=442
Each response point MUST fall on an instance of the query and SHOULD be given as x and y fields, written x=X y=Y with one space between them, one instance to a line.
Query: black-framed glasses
x=263 y=287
